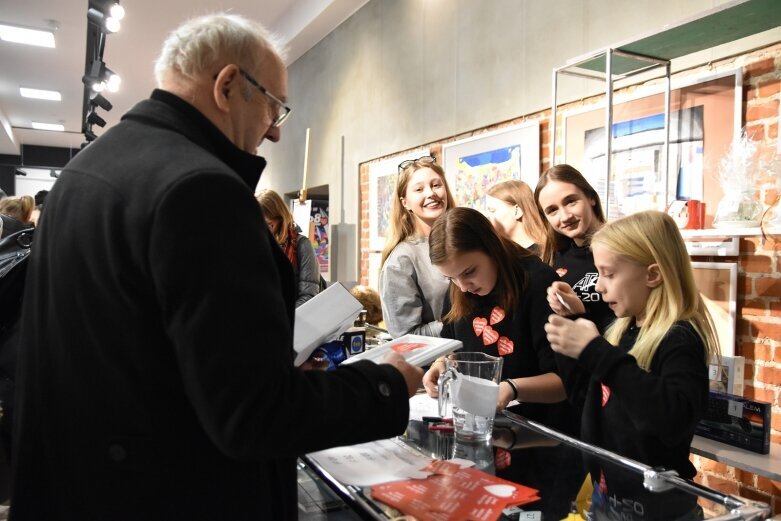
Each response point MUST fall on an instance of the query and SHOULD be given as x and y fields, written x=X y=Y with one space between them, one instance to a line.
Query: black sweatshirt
x=649 y=416
x=517 y=335
x=575 y=266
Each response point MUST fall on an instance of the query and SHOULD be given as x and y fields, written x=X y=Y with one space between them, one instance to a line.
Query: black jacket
x=156 y=379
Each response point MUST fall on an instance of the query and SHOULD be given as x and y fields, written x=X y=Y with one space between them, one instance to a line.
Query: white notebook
x=322 y=318
x=416 y=349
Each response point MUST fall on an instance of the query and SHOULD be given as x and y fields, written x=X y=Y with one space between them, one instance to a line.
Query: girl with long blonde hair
x=647 y=379
x=512 y=210
x=411 y=290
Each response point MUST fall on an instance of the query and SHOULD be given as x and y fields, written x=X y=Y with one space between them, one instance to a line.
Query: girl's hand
x=431 y=378
x=563 y=300
x=568 y=337
x=505 y=396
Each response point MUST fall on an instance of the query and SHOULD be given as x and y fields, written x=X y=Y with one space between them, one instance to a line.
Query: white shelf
x=767 y=465
x=728 y=232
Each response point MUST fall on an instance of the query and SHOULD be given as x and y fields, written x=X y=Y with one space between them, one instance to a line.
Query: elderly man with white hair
x=156 y=379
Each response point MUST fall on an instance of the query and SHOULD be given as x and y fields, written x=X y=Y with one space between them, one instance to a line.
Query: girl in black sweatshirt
x=647 y=380
x=573 y=213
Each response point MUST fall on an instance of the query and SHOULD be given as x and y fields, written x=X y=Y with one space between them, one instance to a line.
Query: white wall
x=402 y=73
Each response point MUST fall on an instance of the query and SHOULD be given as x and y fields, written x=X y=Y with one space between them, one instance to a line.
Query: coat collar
x=168 y=110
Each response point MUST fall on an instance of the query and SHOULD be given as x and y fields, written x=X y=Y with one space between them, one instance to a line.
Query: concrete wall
x=402 y=73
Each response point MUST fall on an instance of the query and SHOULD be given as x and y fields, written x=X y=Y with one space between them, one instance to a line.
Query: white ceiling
x=130 y=53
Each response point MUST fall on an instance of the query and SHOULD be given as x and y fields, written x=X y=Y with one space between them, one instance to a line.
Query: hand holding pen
x=563 y=300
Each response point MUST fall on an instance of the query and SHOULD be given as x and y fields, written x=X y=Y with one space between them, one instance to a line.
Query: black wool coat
x=156 y=377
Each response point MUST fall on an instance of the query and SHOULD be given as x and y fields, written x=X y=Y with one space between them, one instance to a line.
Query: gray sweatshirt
x=412 y=290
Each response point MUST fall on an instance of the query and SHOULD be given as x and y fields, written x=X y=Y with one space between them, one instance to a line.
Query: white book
x=323 y=318
x=418 y=350
x=727 y=377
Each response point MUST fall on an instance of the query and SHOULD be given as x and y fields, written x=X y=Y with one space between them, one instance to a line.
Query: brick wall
x=759 y=280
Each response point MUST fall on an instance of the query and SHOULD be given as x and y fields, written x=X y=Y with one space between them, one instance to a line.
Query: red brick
x=708 y=465
x=749 y=372
x=772 y=376
x=775 y=438
x=763 y=395
x=768 y=287
x=756 y=132
x=769 y=486
x=775 y=309
x=745 y=478
x=775 y=422
x=767 y=153
x=768 y=109
x=753 y=494
x=724 y=486
x=764 y=329
x=772 y=131
x=754 y=307
x=756 y=264
x=759 y=68
x=749 y=244
x=768 y=88
x=758 y=351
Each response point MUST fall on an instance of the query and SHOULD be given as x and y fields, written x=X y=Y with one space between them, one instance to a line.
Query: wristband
x=513 y=387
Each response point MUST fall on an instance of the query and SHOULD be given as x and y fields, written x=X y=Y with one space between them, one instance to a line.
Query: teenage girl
x=573 y=213
x=411 y=290
x=511 y=208
x=496 y=305
x=647 y=379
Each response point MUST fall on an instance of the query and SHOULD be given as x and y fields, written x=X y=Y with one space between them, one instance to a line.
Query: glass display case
x=530 y=454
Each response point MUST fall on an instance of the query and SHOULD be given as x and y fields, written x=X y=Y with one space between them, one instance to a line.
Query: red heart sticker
x=489 y=335
x=497 y=315
x=605 y=394
x=561 y=272
x=506 y=346
x=478 y=324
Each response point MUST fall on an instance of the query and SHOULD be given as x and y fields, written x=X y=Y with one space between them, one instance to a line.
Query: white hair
x=204 y=44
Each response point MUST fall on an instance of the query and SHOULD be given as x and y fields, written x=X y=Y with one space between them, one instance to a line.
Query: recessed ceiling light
x=11 y=33
x=49 y=126
x=52 y=95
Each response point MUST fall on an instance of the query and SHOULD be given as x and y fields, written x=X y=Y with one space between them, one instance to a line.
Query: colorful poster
x=478 y=172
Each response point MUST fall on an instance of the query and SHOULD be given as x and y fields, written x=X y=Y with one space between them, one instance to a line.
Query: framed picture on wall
x=382 y=186
x=475 y=164
x=718 y=285
x=705 y=115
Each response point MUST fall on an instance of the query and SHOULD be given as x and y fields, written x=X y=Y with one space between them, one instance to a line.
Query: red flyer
x=407 y=347
x=469 y=494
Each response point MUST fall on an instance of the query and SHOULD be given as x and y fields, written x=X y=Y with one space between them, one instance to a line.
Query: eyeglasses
x=425 y=160
x=281 y=116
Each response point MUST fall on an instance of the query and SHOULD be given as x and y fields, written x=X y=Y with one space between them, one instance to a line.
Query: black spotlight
x=94 y=119
x=100 y=101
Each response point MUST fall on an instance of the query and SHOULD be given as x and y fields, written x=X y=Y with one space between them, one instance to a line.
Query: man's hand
x=570 y=337
x=564 y=301
x=412 y=375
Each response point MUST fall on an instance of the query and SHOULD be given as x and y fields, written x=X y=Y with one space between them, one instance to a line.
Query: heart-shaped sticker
x=478 y=324
x=500 y=490
x=490 y=335
x=497 y=315
x=605 y=394
x=561 y=272
x=506 y=346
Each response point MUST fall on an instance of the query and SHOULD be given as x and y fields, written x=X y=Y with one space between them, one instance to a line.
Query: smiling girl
x=573 y=213
x=647 y=379
x=411 y=290
x=496 y=305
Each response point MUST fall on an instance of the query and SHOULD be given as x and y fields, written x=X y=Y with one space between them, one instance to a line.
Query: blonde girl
x=411 y=290
x=647 y=379
x=512 y=210
x=16 y=214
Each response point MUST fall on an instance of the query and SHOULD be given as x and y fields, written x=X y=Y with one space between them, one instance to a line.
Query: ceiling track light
x=106 y=23
x=89 y=135
x=94 y=119
x=101 y=78
x=97 y=100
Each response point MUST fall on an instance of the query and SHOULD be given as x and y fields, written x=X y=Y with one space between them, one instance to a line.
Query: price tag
x=735 y=408
x=713 y=372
